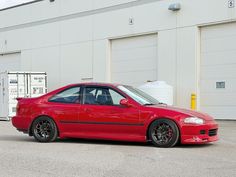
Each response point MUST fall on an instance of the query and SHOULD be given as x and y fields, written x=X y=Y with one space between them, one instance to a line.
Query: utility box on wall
x=19 y=84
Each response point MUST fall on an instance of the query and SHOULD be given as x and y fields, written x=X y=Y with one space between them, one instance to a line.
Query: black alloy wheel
x=44 y=129
x=164 y=133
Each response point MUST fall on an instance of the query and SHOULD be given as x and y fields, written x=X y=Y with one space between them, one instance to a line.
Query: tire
x=163 y=133
x=44 y=129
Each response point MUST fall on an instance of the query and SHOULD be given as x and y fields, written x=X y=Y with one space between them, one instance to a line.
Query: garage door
x=134 y=59
x=218 y=71
x=10 y=62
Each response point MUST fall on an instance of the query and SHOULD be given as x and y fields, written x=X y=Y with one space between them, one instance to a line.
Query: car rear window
x=70 y=95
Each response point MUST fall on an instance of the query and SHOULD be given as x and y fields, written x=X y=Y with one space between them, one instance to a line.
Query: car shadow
x=19 y=138
x=189 y=146
x=16 y=138
x=124 y=143
x=102 y=142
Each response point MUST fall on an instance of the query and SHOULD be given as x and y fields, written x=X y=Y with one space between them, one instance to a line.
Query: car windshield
x=138 y=95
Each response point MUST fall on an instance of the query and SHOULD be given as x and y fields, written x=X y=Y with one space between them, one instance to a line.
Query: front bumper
x=199 y=134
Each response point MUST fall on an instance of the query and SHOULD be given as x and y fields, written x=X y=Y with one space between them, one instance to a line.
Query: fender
x=154 y=117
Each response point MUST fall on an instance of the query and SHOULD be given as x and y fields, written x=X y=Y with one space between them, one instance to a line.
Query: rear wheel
x=164 y=133
x=44 y=129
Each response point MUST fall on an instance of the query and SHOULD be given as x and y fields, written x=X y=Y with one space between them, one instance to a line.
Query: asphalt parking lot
x=21 y=156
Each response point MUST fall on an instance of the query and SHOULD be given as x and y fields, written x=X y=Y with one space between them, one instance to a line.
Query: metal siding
x=10 y=62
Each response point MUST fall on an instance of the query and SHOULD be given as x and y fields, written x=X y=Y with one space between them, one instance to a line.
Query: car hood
x=187 y=112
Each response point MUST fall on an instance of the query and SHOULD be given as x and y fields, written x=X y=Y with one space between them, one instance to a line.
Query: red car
x=112 y=112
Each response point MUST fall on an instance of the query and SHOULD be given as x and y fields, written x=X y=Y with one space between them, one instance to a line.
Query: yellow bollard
x=193 y=101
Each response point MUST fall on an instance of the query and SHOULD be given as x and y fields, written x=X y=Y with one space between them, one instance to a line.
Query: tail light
x=17 y=108
x=18 y=105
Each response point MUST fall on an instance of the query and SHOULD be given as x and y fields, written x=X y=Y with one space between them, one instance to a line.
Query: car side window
x=116 y=97
x=101 y=96
x=89 y=95
x=71 y=95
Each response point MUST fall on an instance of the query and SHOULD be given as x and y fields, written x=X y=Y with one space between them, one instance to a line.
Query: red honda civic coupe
x=111 y=112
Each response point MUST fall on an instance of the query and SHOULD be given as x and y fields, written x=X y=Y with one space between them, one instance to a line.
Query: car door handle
x=113 y=111
x=87 y=110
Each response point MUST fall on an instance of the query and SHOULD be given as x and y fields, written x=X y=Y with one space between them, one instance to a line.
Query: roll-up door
x=134 y=59
x=218 y=71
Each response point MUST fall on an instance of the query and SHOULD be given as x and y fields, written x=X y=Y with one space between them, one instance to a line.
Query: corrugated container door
x=17 y=88
x=3 y=96
x=37 y=84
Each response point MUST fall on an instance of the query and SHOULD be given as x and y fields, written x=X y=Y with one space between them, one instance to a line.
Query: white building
x=129 y=41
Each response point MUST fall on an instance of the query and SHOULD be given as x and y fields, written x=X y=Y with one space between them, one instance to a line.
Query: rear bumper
x=20 y=123
x=23 y=131
x=199 y=134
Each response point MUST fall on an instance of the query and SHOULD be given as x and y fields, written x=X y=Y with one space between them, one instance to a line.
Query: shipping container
x=19 y=84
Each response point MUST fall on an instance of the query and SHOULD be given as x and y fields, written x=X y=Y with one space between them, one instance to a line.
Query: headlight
x=193 y=120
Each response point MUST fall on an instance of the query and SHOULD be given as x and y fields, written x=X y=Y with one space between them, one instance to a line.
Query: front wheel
x=163 y=133
x=44 y=129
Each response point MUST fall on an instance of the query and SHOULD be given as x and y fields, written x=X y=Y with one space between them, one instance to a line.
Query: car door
x=65 y=107
x=102 y=116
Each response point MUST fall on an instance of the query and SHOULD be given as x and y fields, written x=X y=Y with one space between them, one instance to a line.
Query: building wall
x=70 y=39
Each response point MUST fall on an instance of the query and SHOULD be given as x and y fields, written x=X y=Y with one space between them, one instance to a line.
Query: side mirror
x=126 y=103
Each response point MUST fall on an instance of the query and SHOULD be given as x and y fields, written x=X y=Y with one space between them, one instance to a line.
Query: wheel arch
x=156 y=118
x=30 y=127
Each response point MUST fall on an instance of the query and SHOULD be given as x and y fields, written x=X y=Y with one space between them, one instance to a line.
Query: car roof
x=96 y=84
x=83 y=84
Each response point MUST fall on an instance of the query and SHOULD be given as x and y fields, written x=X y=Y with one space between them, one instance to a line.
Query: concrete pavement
x=22 y=156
